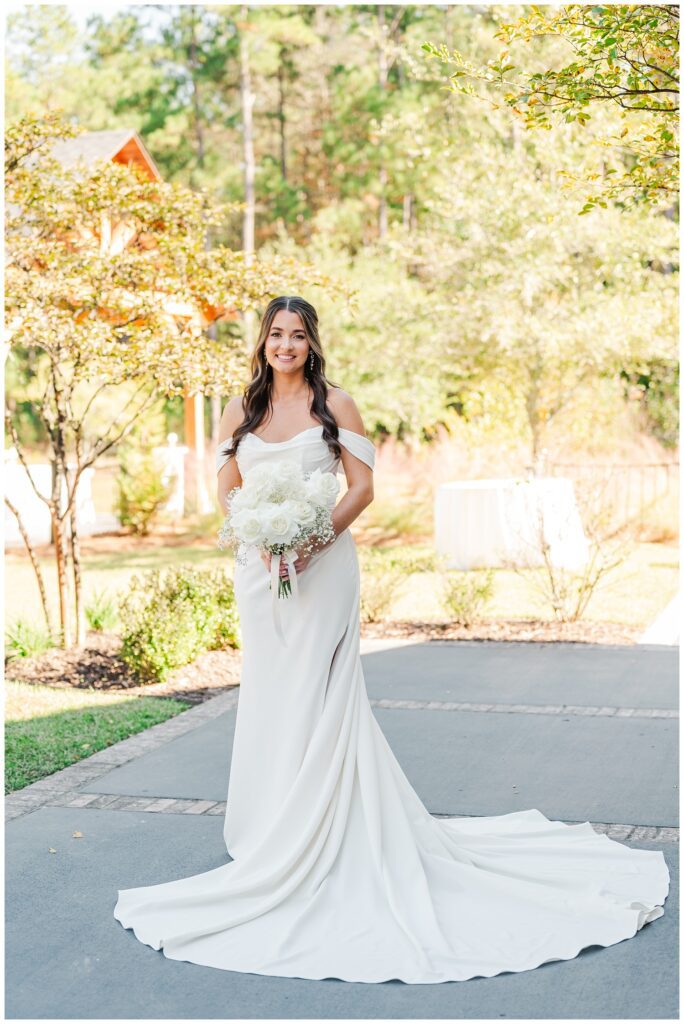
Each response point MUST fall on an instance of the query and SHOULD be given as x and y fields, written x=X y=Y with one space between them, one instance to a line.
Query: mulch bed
x=99 y=666
x=525 y=630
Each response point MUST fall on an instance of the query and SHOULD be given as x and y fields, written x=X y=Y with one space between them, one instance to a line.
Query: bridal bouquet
x=278 y=509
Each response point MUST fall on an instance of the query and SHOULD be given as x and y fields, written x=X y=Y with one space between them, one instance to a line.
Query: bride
x=338 y=870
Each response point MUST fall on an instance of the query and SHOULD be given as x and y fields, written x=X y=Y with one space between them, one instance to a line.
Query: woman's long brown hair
x=257 y=395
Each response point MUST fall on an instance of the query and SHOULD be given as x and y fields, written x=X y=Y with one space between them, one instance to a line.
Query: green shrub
x=23 y=640
x=101 y=612
x=411 y=558
x=382 y=578
x=465 y=594
x=169 y=616
x=141 y=490
x=407 y=518
x=657 y=385
x=227 y=631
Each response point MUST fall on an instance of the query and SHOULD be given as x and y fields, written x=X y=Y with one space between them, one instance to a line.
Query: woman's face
x=287 y=347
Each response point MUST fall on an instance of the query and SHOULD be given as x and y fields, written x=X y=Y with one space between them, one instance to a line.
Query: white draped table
x=487 y=523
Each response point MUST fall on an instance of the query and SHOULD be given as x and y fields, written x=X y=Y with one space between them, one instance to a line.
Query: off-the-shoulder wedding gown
x=338 y=869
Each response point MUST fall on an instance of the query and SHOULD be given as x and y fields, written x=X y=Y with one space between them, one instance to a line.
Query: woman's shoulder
x=232 y=416
x=344 y=409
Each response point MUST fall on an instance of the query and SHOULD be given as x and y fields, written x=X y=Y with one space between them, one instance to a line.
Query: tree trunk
x=406 y=214
x=67 y=638
x=215 y=404
x=533 y=419
x=247 y=102
x=78 y=582
x=281 y=115
x=60 y=487
x=382 y=80
x=35 y=563
x=196 y=105
x=449 y=102
x=410 y=223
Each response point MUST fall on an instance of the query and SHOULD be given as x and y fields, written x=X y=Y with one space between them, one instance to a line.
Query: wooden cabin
x=120 y=145
x=124 y=146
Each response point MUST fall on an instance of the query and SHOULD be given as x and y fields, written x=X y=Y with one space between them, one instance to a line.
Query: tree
x=625 y=58
x=109 y=284
x=444 y=220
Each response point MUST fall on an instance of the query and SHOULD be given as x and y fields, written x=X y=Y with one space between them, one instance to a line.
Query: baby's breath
x=267 y=488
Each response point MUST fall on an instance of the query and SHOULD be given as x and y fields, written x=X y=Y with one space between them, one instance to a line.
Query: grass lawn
x=109 y=572
x=48 y=728
x=633 y=594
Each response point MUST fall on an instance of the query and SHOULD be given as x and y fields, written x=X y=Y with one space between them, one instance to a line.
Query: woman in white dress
x=338 y=870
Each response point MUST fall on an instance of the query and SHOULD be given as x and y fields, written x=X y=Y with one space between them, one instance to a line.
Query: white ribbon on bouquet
x=289 y=557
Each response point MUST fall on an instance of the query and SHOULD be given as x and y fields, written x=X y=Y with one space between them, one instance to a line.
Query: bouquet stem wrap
x=289 y=559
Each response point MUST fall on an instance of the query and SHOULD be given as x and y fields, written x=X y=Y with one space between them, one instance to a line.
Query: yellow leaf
x=51 y=849
x=77 y=835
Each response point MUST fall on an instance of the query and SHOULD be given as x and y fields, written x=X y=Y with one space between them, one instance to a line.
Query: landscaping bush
x=411 y=557
x=141 y=491
x=101 y=612
x=169 y=616
x=466 y=594
x=23 y=640
x=382 y=578
x=400 y=519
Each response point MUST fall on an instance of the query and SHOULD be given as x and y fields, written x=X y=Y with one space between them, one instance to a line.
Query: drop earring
x=311 y=359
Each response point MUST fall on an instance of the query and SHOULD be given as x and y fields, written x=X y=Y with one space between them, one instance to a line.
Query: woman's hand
x=300 y=562
x=266 y=559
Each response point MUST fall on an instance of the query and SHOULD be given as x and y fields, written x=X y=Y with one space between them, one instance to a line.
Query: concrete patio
x=581 y=732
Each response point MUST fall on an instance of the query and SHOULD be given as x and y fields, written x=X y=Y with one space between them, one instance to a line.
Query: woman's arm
x=229 y=475
x=359 y=476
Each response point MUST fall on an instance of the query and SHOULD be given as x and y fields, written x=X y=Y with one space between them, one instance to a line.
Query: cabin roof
x=120 y=145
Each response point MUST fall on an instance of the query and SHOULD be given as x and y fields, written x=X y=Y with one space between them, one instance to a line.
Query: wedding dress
x=338 y=869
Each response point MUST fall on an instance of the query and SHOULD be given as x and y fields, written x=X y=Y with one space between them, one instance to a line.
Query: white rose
x=248 y=526
x=330 y=485
x=304 y=512
x=322 y=487
x=295 y=490
x=289 y=470
x=290 y=506
x=245 y=498
x=280 y=527
x=251 y=500
x=255 y=492
x=258 y=474
x=290 y=480
x=238 y=501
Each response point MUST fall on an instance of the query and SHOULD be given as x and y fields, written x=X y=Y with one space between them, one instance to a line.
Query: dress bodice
x=308 y=448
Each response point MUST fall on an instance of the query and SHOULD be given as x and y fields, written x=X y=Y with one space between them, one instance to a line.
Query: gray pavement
x=67 y=957
x=584 y=769
x=543 y=673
